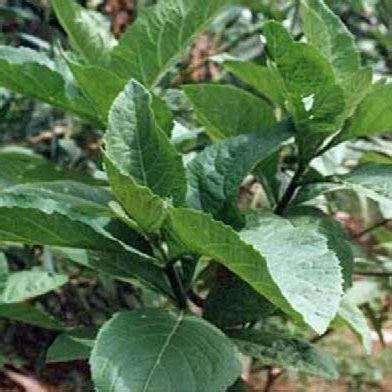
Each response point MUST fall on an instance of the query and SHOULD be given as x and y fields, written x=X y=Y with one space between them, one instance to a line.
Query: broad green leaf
x=82 y=198
x=215 y=175
x=28 y=314
x=121 y=265
x=303 y=266
x=24 y=285
x=143 y=206
x=265 y=257
x=370 y=180
x=226 y=110
x=373 y=115
x=72 y=346
x=88 y=31
x=338 y=241
x=139 y=148
x=158 y=350
x=33 y=220
x=160 y=36
x=328 y=33
x=353 y=317
x=261 y=78
x=99 y=85
x=285 y=352
x=32 y=73
x=20 y=166
x=313 y=96
x=231 y=302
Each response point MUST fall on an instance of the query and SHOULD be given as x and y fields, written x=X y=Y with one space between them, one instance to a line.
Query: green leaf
x=353 y=317
x=143 y=206
x=226 y=110
x=215 y=175
x=232 y=302
x=313 y=96
x=24 y=285
x=20 y=166
x=82 y=198
x=373 y=115
x=32 y=73
x=32 y=220
x=165 y=351
x=88 y=31
x=263 y=79
x=160 y=36
x=260 y=258
x=371 y=180
x=328 y=33
x=28 y=314
x=139 y=148
x=99 y=85
x=124 y=266
x=305 y=269
x=72 y=346
x=286 y=352
x=338 y=241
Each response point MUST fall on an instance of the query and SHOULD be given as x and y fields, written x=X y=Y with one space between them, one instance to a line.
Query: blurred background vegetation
x=71 y=144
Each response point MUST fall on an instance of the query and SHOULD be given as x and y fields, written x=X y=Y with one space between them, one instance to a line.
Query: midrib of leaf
x=163 y=349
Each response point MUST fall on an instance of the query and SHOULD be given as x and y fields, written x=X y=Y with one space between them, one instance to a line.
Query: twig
x=373 y=273
x=371 y=228
x=291 y=189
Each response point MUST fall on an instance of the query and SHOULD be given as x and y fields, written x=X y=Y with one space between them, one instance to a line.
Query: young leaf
x=286 y=352
x=373 y=115
x=215 y=175
x=143 y=206
x=313 y=96
x=72 y=346
x=160 y=36
x=140 y=149
x=232 y=302
x=32 y=73
x=328 y=33
x=265 y=257
x=226 y=110
x=350 y=314
x=338 y=241
x=25 y=285
x=88 y=31
x=165 y=350
x=263 y=79
x=30 y=315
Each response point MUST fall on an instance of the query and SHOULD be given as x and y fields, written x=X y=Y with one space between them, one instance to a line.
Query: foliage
x=170 y=220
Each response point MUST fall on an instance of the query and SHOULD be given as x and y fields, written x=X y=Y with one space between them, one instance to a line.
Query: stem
x=176 y=284
x=371 y=228
x=374 y=273
x=172 y=274
x=271 y=379
x=291 y=189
